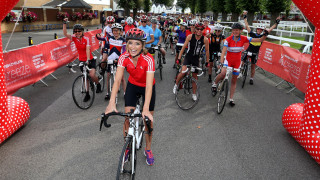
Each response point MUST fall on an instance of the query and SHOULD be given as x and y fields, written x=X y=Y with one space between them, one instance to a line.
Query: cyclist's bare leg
x=104 y=59
x=194 y=88
x=126 y=122
x=149 y=136
x=181 y=75
x=210 y=68
x=233 y=85
x=108 y=79
x=124 y=84
x=93 y=76
x=253 y=70
x=221 y=75
x=163 y=52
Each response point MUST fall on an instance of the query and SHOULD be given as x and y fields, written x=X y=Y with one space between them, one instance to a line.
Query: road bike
x=188 y=86
x=246 y=67
x=202 y=60
x=159 y=60
x=83 y=86
x=223 y=90
x=133 y=140
x=216 y=62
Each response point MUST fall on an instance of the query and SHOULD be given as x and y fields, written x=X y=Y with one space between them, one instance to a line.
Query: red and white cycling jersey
x=81 y=45
x=138 y=73
x=235 y=47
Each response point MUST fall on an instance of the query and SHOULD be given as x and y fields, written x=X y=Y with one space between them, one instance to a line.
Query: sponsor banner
x=28 y=65
x=285 y=62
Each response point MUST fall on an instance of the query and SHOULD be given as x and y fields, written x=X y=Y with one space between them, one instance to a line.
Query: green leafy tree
x=146 y=6
x=202 y=6
x=192 y=5
x=275 y=7
x=165 y=2
x=183 y=4
x=126 y=5
x=231 y=7
x=218 y=6
x=251 y=6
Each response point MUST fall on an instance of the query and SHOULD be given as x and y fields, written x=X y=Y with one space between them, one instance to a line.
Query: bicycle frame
x=85 y=74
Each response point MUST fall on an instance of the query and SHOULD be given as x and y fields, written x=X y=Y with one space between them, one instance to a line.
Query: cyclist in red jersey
x=234 y=45
x=129 y=25
x=141 y=67
x=207 y=30
x=192 y=29
x=84 y=50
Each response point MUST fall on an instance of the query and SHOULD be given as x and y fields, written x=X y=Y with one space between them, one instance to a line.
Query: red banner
x=285 y=62
x=30 y=64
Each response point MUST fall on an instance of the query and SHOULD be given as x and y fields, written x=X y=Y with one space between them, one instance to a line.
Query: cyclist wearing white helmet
x=147 y=30
x=129 y=25
x=107 y=31
x=254 y=47
x=207 y=30
x=192 y=29
x=215 y=41
x=181 y=39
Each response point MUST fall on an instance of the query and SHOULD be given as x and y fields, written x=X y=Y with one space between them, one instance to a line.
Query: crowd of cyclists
x=131 y=45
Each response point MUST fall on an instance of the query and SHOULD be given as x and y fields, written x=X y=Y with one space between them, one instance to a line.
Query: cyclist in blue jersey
x=147 y=30
x=158 y=38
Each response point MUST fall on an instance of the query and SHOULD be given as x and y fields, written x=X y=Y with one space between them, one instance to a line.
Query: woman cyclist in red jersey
x=192 y=29
x=141 y=68
x=84 y=49
x=234 y=45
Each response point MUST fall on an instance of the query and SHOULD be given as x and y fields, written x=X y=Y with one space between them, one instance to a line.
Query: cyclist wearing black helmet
x=254 y=47
x=84 y=49
x=234 y=45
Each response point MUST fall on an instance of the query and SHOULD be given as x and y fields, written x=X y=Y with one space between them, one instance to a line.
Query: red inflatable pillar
x=14 y=111
x=302 y=121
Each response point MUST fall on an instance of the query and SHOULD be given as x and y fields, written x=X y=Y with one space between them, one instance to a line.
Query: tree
x=183 y=4
x=202 y=6
x=146 y=6
x=218 y=6
x=126 y=5
x=251 y=6
x=231 y=7
x=165 y=2
x=192 y=4
x=275 y=7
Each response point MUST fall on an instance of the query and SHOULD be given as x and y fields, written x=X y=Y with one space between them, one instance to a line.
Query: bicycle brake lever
x=104 y=119
x=148 y=123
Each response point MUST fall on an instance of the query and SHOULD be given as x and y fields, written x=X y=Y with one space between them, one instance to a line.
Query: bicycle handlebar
x=104 y=119
x=197 y=68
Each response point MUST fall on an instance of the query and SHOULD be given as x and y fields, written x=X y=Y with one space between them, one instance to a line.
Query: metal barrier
x=41 y=27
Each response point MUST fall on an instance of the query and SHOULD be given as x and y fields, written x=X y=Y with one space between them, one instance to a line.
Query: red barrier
x=285 y=62
x=28 y=65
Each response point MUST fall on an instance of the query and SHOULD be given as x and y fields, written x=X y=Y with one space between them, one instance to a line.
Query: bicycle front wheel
x=187 y=95
x=83 y=92
x=223 y=95
x=244 y=73
x=127 y=161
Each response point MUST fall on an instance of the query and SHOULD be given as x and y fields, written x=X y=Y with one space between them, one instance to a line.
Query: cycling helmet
x=129 y=20
x=78 y=26
x=123 y=21
x=261 y=27
x=192 y=22
x=218 y=27
x=116 y=25
x=154 y=21
x=205 y=19
x=136 y=34
x=144 y=18
x=200 y=25
x=184 y=24
x=237 y=26
x=110 y=19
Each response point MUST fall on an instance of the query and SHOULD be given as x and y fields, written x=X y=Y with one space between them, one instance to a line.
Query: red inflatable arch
x=14 y=111
x=302 y=121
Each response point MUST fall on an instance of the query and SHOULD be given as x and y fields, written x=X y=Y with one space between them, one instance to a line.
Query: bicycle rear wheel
x=184 y=93
x=80 y=89
x=244 y=73
x=126 y=169
x=223 y=95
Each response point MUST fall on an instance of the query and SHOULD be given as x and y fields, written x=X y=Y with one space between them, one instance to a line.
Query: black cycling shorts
x=132 y=91
x=178 y=49
x=213 y=56
x=191 y=60
x=91 y=64
x=254 y=58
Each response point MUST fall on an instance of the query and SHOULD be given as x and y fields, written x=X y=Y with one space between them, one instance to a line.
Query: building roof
x=55 y=3
x=76 y=4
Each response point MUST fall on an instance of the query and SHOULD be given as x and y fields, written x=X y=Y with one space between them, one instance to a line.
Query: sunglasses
x=192 y=25
x=143 y=21
x=218 y=30
x=109 y=23
x=77 y=31
x=199 y=29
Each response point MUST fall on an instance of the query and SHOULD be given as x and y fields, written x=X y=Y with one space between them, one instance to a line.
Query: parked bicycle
x=133 y=140
x=223 y=89
x=188 y=86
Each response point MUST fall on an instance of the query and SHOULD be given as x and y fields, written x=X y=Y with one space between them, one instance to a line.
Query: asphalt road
x=248 y=141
